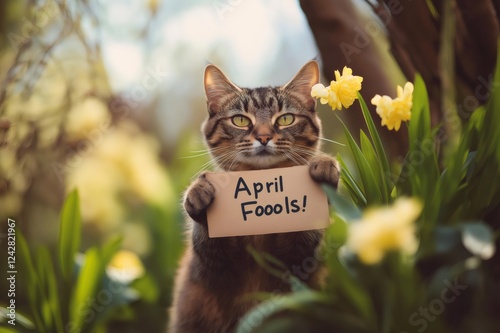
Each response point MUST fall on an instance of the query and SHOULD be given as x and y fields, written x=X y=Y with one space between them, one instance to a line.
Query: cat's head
x=249 y=129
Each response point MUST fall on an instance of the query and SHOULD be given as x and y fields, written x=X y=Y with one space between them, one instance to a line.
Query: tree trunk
x=415 y=33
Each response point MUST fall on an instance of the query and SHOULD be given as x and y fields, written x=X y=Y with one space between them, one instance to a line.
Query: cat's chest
x=257 y=242
x=257 y=278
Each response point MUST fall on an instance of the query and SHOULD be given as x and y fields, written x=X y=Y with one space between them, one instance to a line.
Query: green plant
x=71 y=293
x=450 y=283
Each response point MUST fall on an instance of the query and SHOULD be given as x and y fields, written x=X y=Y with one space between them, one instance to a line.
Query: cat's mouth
x=264 y=151
x=264 y=157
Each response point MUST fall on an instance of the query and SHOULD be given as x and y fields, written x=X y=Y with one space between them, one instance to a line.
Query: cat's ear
x=303 y=81
x=217 y=87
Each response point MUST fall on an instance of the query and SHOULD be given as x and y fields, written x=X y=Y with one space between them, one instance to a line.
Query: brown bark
x=415 y=37
x=342 y=40
x=476 y=44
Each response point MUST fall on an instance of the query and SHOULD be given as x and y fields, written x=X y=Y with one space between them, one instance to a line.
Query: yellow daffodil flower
x=321 y=92
x=394 y=111
x=385 y=229
x=125 y=266
x=341 y=92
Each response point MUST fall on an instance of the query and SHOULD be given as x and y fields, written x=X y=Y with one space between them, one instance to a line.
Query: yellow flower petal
x=385 y=229
x=370 y=256
x=125 y=266
x=346 y=71
x=337 y=75
x=319 y=91
x=394 y=111
x=376 y=99
x=342 y=91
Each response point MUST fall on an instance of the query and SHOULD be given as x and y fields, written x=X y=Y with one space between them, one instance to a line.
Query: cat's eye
x=240 y=121
x=285 y=120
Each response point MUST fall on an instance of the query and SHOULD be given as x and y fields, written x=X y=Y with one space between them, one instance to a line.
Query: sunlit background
x=254 y=42
x=107 y=97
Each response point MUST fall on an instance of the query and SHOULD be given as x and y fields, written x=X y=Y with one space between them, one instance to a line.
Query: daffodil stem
x=447 y=71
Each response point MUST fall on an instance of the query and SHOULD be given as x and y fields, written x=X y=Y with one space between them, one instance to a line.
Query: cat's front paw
x=324 y=169
x=198 y=197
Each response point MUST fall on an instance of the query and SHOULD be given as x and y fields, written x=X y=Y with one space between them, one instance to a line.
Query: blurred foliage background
x=107 y=97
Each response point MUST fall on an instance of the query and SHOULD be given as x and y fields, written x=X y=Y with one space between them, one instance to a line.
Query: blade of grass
x=277 y=304
x=372 y=192
x=264 y=262
x=419 y=127
x=489 y=134
x=86 y=287
x=377 y=142
x=69 y=234
x=109 y=249
x=89 y=279
x=340 y=205
x=46 y=269
x=31 y=277
x=344 y=284
x=371 y=157
x=355 y=189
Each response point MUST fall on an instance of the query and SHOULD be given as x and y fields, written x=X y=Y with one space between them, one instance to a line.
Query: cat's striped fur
x=216 y=274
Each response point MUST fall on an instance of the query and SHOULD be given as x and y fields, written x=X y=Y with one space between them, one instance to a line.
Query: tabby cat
x=247 y=129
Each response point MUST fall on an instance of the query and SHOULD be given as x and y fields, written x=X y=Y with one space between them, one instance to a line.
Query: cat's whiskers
x=304 y=150
x=331 y=141
x=289 y=157
x=286 y=148
x=215 y=161
x=203 y=152
x=295 y=152
x=232 y=157
x=299 y=157
x=236 y=156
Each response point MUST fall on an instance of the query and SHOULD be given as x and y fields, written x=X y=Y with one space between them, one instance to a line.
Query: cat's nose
x=263 y=138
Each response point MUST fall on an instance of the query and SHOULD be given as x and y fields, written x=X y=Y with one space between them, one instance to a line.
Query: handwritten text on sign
x=266 y=201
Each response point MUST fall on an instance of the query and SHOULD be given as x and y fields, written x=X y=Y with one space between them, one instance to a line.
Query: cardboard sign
x=265 y=202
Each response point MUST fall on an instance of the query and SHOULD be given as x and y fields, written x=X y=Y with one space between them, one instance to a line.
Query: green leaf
x=21 y=320
x=342 y=283
x=85 y=289
x=478 y=240
x=336 y=236
x=297 y=284
x=425 y=172
x=31 y=278
x=109 y=249
x=267 y=261
x=347 y=179
x=455 y=172
x=490 y=135
x=446 y=239
x=372 y=191
x=147 y=288
x=69 y=234
x=373 y=161
x=278 y=303
x=349 y=289
x=340 y=205
x=49 y=290
x=89 y=279
x=420 y=171
x=419 y=127
x=377 y=142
